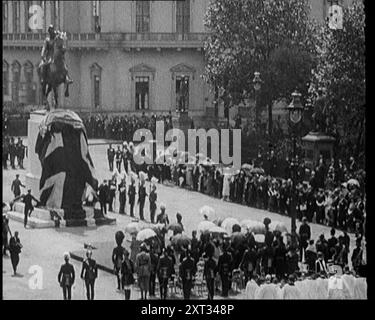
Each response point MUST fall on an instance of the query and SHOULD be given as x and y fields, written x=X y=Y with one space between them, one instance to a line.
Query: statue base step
x=44 y=218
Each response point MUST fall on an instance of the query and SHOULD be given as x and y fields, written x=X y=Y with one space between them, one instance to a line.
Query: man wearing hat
x=89 y=273
x=131 y=195
x=103 y=195
x=320 y=264
x=111 y=157
x=122 y=195
x=187 y=272
x=141 y=198
x=224 y=267
x=152 y=199
x=305 y=235
x=164 y=270
x=27 y=199
x=66 y=277
x=16 y=186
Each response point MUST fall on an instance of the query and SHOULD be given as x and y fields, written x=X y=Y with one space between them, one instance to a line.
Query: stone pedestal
x=35 y=168
x=315 y=144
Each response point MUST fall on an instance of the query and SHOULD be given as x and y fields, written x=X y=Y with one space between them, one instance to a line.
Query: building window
x=182 y=93
x=96 y=74
x=142 y=93
x=5 y=78
x=16 y=16
x=5 y=17
x=183 y=16
x=27 y=6
x=30 y=87
x=16 y=75
x=142 y=16
x=96 y=16
x=55 y=13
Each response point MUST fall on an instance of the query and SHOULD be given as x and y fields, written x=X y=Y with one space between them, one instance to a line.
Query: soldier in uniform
x=153 y=198
x=210 y=275
x=66 y=277
x=131 y=194
x=20 y=153
x=224 y=269
x=187 y=272
x=12 y=152
x=164 y=270
x=118 y=257
x=141 y=198
x=118 y=157
x=122 y=195
x=111 y=157
x=89 y=273
x=16 y=186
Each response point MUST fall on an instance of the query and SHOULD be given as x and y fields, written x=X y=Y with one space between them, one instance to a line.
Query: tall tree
x=274 y=37
x=340 y=74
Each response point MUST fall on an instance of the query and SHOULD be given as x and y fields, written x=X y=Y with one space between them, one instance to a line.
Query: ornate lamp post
x=257 y=83
x=295 y=110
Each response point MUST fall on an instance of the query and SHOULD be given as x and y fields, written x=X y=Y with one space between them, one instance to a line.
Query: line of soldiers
x=13 y=150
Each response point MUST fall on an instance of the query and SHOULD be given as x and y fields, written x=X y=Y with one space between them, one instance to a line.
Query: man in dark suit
x=15 y=247
x=304 y=236
x=66 y=278
x=110 y=156
x=131 y=194
x=103 y=196
x=187 y=272
x=16 y=186
x=89 y=273
x=141 y=198
x=225 y=269
x=210 y=275
x=27 y=199
x=164 y=270
x=122 y=196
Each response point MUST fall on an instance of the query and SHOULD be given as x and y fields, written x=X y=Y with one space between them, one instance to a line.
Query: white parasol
x=145 y=234
x=205 y=226
x=228 y=223
x=209 y=212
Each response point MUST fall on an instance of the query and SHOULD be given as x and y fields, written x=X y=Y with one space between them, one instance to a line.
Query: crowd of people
x=14 y=152
x=123 y=127
x=332 y=194
x=227 y=263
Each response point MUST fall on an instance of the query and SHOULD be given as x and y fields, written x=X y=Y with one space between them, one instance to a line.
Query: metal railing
x=103 y=39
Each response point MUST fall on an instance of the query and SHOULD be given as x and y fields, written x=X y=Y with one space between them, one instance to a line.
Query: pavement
x=45 y=247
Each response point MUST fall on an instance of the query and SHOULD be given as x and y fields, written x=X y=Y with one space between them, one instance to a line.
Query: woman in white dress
x=226 y=183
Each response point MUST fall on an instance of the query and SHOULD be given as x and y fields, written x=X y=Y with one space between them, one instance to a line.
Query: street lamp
x=257 y=83
x=295 y=110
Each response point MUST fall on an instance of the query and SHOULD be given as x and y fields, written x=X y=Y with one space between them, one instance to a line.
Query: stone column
x=35 y=168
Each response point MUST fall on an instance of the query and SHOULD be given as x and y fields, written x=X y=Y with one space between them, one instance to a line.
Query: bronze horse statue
x=56 y=73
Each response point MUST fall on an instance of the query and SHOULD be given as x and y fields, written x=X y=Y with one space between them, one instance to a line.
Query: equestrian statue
x=52 y=70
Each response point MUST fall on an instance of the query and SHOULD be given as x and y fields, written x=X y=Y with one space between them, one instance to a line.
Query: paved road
x=45 y=247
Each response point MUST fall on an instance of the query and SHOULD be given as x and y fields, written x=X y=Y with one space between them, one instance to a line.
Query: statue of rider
x=47 y=53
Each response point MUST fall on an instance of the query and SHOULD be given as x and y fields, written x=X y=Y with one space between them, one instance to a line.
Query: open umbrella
x=228 y=223
x=180 y=240
x=218 y=221
x=132 y=227
x=253 y=226
x=205 y=226
x=208 y=213
x=257 y=170
x=247 y=166
x=278 y=226
x=353 y=182
x=217 y=230
x=175 y=227
x=145 y=234
x=259 y=238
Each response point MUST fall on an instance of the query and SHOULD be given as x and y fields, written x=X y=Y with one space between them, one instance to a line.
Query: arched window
x=16 y=78
x=5 y=78
x=30 y=86
x=96 y=75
